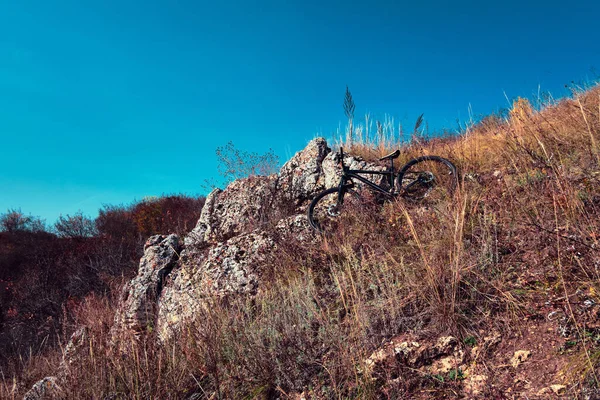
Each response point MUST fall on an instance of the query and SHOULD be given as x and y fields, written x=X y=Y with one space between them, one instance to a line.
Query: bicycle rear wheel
x=327 y=209
x=428 y=178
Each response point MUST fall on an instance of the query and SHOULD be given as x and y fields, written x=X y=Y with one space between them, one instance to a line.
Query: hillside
x=492 y=293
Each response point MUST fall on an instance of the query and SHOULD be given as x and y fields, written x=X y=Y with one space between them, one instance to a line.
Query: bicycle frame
x=349 y=174
x=326 y=205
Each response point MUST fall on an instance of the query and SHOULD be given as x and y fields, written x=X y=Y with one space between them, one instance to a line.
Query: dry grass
x=523 y=228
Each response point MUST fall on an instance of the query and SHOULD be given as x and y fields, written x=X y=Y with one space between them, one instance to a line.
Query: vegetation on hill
x=47 y=272
x=514 y=253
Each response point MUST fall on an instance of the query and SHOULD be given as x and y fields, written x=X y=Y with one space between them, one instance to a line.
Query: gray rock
x=242 y=207
x=300 y=178
x=229 y=247
x=73 y=352
x=332 y=171
x=260 y=201
x=49 y=387
x=232 y=267
x=297 y=228
x=202 y=229
x=137 y=305
x=46 y=388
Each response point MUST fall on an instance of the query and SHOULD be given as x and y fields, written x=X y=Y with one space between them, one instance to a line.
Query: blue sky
x=112 y=101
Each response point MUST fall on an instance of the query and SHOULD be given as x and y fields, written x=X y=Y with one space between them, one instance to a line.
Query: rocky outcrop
x=242 y=207
x=228 y=252
x=233 y=267
x=296 y=228
x=255 y=202
x=302 y=176
x=139 y=298
x=239 y=227
x=331 y=170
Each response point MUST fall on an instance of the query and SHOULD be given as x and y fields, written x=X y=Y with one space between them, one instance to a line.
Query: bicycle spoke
x=430 y=179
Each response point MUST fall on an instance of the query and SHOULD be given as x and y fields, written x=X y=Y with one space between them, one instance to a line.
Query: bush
x=44 y=276
x=237 y=164
x=76 y=226
x=170 y=214
x=16 y=221
x=116 y=222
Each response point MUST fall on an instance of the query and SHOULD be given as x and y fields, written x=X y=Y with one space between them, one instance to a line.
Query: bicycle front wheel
x=326 y=210
x=429 y=178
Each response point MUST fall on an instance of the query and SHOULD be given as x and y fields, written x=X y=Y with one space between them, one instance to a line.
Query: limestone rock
x=138 y=302
x=242 y=207
x=254 y=202
x=332 y=171
x=474 y=385
x=298 y=228
x=230 y=267
x=73 y=352
x=202 y=230
x=235 y=235
x=437 y=357
x=300 y=177
x=558 y=390
x=46 y=388
x=49 y=387
x=519 y=357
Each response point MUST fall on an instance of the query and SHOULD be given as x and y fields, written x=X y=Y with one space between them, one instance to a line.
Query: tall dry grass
x=523 y=226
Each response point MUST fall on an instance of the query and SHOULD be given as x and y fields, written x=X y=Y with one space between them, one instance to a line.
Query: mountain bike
x=427 y=178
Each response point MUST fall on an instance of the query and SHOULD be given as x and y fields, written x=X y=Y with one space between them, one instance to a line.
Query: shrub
x=116 y=222
x=171 y=214
x=15 y=221
x=235 y=164
x=76 y=226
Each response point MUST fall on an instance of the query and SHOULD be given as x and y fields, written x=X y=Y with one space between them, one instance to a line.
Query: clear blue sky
x=112 y=101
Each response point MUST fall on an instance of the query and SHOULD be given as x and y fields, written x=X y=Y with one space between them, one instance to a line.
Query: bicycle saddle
x=391 y=156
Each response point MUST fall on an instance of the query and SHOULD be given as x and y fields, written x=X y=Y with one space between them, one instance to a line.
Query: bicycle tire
x=418 y=184
x=325 y=206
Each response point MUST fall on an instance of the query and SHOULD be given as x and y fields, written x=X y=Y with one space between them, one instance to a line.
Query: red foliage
x=43 y=277
x=171 y=214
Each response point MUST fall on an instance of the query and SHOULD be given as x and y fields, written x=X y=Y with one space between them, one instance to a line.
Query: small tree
x=76 y=226
x=236 y=164
x=15 y=221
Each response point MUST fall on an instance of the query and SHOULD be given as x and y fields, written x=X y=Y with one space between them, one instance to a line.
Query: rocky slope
x=493 y=294
x=225 y=253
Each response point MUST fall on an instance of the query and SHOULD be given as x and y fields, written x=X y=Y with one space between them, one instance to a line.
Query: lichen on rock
x=139 y=298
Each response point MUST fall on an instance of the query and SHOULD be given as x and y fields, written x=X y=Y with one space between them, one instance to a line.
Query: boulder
x=301 y=178
x=50 y=386
x=233 y=267
x=332 y=171
x=258 y=202
x=239 y=227
x=246 y=204
x=138 y=302
x=46 y=388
